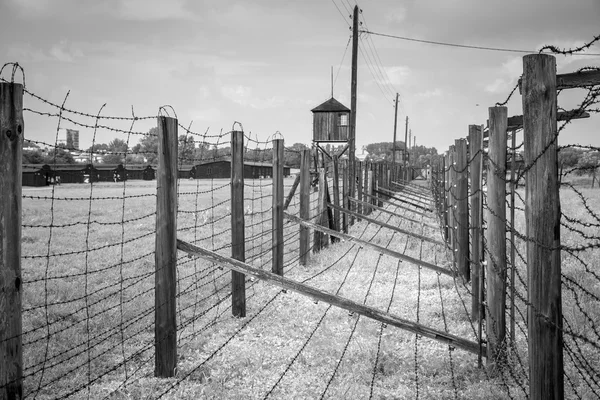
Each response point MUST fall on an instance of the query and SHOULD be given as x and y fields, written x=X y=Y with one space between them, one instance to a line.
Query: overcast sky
x=267 y=63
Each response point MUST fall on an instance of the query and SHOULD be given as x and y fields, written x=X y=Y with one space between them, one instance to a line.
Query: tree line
x=118 y=151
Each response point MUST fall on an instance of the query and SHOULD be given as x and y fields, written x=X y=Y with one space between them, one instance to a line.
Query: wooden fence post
x=277 y=212
x=444 y=197
x=11 y=325
x=462 y=210
x=496 y=237
x=336 y=193
x=238 y=239
x=345 y=194
x=165 y=311
x=304 y=205
x=475 y=155
x=359 y=188
x=542 y=212
x=322 y=239
x=366 y=190
x=452 y=202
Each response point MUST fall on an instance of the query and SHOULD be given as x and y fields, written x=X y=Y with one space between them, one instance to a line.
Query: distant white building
x=363 y=155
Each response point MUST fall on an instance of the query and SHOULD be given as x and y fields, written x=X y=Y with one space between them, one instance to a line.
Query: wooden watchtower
x=331 y=122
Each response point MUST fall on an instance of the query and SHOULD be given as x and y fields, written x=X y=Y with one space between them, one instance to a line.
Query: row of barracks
x=45 y=174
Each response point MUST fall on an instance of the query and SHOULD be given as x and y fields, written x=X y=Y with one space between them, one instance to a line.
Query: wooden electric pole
x=352 y=136
x=394 y=143
x=405 y=158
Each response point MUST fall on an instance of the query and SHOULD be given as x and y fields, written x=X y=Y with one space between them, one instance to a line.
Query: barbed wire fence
x=534 y=290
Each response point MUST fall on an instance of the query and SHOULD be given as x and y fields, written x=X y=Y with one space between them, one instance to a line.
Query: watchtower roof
x=331 y=105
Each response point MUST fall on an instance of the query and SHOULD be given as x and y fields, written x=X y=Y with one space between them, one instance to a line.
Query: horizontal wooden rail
x=393 y=196
x=422 y=214
x=410 y=190
x=364 y=203
x=409 y=196
x=388 y=226
x=329 y=298
x=362 y=243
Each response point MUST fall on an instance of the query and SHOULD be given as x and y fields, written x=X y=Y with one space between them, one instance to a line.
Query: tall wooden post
x=345 y=183
x=444 y=197
x=462 y=210
x=304 y=205
x=277 y=212
x=405 y=155
x=322 y=240
x=513 y=164
x=542 y=213
x=366 y=190
x=12 y=131
x=452 y=202
x=238 y=239
x=394 y=147
x=336 y=193
x=352 y=136
x=165 y=311
x=359 y=187
x=475 y=155
x=496 y=236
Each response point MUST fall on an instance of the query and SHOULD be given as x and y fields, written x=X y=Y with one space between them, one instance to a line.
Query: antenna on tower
x=332 y=81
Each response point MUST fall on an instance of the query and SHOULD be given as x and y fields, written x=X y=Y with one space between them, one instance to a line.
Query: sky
x=267 y=63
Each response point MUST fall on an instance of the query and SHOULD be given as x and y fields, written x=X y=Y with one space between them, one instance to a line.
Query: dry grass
x=90 y=315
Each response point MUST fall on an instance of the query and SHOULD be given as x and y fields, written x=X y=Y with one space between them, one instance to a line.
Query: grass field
x=88 y=270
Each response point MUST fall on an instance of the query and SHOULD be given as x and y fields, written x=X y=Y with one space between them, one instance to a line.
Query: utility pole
x=352 y=136
x=394 y=143
x=414 y=141
x=405 y=158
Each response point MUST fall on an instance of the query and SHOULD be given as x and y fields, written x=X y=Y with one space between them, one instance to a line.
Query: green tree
x=568 y=157
x=33 y=157
x=148 y=146
x=59 y=156
x=185 y=149
x=292 y=155
x=116 y=152
x=588 y=163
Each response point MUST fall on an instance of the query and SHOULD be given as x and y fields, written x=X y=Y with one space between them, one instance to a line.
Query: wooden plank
x=359 y=188
x=394 y=228
x=422 y=214
x=320 y=239
x=165 y=312
x=290 y=195
x=426 y=200
x=365 y=204
x=336 y=193
x=304 y=205
x=329 y=298
x=577 y=79
x=496 y=237
x=542 y=214
x=369 y=245
x=475 y=171
x=516 y=122
x=277 y=209
x=462 y=210
x=411 y=188
x=12 y=130
x=391 y=195
x=238 y=226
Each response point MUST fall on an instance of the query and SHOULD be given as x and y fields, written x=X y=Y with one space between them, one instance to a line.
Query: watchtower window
x=342 y=119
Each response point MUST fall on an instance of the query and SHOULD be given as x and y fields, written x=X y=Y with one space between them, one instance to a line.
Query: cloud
x=398 y=75
x=397 y=15
x=498 y=86
x=437 y=92
x=243 y=95
x=153 y=10
x=64 y=52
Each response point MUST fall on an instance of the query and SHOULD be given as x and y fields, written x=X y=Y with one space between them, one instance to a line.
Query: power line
x=340 y=11
x=342 y=62
x=464 y=46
